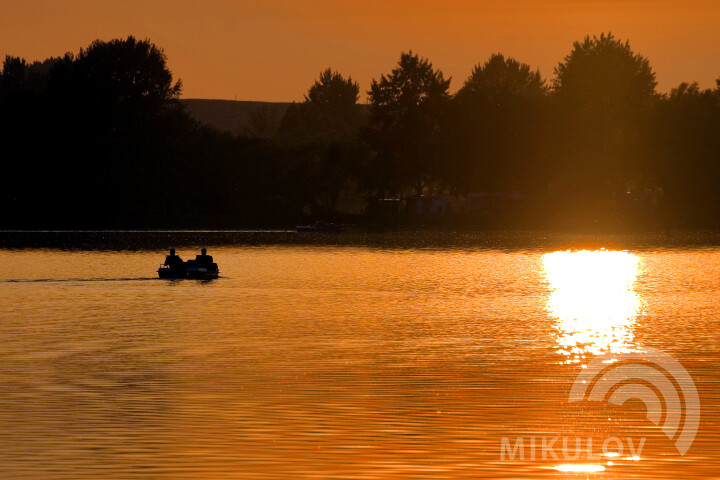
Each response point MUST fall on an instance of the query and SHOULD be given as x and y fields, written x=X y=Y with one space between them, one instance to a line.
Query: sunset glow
x=592 y=299
x=320 y=239
x=271 y=50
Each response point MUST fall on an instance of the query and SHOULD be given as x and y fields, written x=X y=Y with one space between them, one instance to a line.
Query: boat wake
x=53 y=280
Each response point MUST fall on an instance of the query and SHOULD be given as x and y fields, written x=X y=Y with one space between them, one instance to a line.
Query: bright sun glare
x=592 y=298
x=580 y=468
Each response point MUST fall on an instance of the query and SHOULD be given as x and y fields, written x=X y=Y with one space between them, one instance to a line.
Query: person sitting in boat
x=204 y=258
x=174 y=261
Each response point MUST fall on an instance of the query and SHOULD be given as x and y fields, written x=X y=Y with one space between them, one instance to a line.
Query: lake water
x=329 y=362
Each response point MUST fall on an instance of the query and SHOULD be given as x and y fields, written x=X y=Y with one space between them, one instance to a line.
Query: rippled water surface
x=346 y=362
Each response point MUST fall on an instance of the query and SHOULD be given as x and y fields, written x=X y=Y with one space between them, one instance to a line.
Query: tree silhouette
x=106 y=119
x=130 y=70
x=334 y=92
x=99 y=139
x=321 y=135
x=13 y=75
x=604 y=72
x=687 y=154
x=329 y=113
x=112 y=82
x=496 y=126
x=605 y=94
x=500 y=78
x=407 y=108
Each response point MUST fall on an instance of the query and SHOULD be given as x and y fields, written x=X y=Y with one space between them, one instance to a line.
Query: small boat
x=321 y=227
x=169 y=273
x=202 y=268
x=202 y=272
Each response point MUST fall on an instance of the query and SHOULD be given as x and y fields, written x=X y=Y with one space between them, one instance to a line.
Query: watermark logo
x=651 y=376
x=570 y=448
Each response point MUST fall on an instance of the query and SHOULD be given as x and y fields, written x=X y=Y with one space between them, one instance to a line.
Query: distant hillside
x=250 y=118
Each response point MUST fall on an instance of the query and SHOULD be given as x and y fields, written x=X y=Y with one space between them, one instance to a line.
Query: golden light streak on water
x=593 y=299
x=580 y=468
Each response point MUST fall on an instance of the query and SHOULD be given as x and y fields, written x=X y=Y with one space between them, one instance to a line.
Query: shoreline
x=408 y=239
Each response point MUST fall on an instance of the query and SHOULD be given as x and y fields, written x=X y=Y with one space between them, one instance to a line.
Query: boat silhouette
x=201 y=268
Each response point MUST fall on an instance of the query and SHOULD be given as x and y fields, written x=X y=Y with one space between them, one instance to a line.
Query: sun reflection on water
x=580 y=468
x=593 y=299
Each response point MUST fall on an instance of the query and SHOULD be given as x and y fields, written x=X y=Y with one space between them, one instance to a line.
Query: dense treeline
x=98 y=139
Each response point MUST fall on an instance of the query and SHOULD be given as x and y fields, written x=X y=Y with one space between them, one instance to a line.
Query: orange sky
x=273 y=49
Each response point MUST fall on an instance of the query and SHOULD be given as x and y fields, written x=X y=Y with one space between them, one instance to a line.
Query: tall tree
x=321 y=134
x=407 y=109
x=12 y=75
x=329 y=113
x=122 y=76
x=502 y=78
x=604 y=72
x=119 y=96
x=605 y=93
x=334 y=92
x=495 y=127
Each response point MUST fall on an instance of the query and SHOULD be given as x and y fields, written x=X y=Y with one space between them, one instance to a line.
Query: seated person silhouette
x=204 y=258
x=174 y=261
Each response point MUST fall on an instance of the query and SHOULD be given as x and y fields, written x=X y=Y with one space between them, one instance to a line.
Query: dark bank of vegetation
x=237 y=116
x=99 y=139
